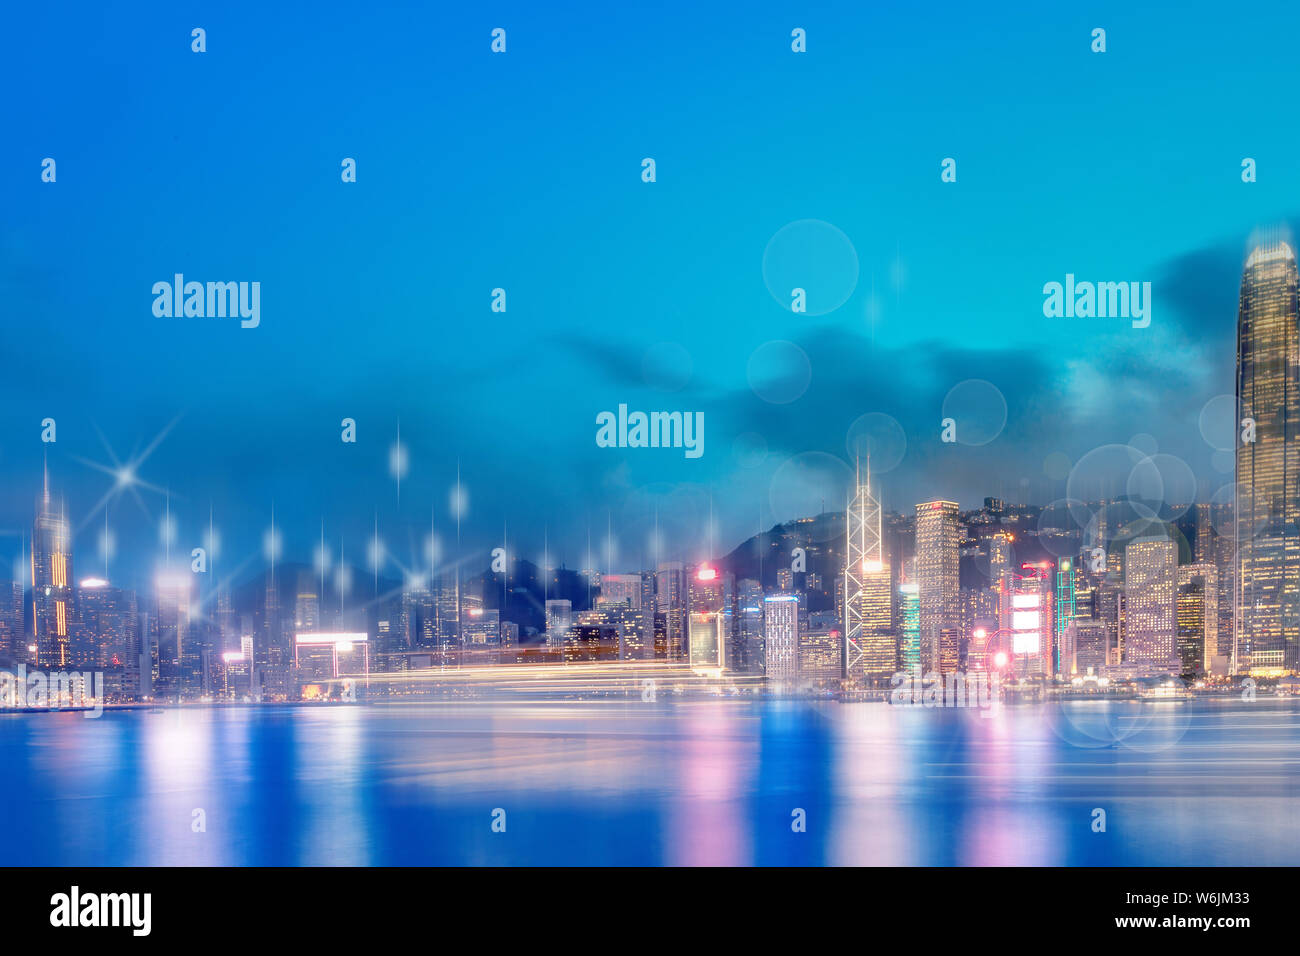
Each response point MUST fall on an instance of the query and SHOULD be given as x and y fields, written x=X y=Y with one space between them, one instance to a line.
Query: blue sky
x=522 y=171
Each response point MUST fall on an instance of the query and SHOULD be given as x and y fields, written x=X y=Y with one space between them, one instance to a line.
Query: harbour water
x=692 y=782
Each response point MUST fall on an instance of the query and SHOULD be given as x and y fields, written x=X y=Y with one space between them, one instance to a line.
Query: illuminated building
x=177 y=668
x=781 y=638
x=1064 y=617
x=1091 y=646
x=236 y=675
x=909 y=649
x=707 y=640
x=52 y=594
x=481 y=627
x=671 y=598
x=559 y=619
x=13 y=640
x=449 y=610
x=417 y=625
x=1198 y=617
x=938 y=539
x=749 y=659
x=620 y=589
x=592 y=642
x=306 y=605
x=109 y=619
x=328 y=659
x=1150 y=574
x=820 y=658
x=633 y=626
x=1268 y=468
x=869 y=654
x=1032 y=631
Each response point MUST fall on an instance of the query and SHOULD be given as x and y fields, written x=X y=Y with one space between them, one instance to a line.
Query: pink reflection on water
x=706 y=821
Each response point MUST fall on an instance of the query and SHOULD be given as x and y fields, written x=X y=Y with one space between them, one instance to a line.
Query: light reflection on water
x=689 y=783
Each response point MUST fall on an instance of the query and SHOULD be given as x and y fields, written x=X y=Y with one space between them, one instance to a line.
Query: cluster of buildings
x=1117 y=589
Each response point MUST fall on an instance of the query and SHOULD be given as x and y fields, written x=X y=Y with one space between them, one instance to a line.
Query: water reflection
x=688 y=783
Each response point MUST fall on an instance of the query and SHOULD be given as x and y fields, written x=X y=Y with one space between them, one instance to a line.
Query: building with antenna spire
x=52 y=593
x=869 y=653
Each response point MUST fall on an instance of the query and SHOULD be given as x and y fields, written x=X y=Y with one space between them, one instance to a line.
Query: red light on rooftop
x=706 y=574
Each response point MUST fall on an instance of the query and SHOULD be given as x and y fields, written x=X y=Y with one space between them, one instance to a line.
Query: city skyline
x=658 y=295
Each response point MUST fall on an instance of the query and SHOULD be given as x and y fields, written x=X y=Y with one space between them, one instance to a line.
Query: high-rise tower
x=869 y=653
x=1268 y=464
x=938 y=557
x=51 y=582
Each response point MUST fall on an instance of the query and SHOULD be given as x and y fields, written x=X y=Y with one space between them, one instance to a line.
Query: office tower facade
x=417 y=626
x=749 y=644
x=670 y=598
x=306 y=604
x=1150 y=626
x=633 y=625
x=869 y=654
x=1198 y=618
x=559 y=620
x=52 y=591
x=1091 y=647
x=909 y=643
x=1064 y=614
x=1268 y=464
x=1110 y=611
x=821 y=658
x=110 y=619
x=938 y=542
x=707 y=640
x=177 y=672
x=482 y=627
x=621 y=589
x=781 y=638
x=1031 y=623
x=13 y=636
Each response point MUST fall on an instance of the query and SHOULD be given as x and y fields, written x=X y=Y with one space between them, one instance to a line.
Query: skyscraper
x=1150 y=601
x=559 y=619
x=176 y=670
x=749 y=658
x=671 y=598
x=52 y=592
x=869 y=653
x=938 y=542
x=707 y=640
x=781 y=637
x=1198 y=617
x=1268 y=463
x=1065 y=613
x=621 y=589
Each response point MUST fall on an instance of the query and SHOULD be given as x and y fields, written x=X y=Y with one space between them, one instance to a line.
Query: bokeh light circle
x=815 y=256
x=979 y=408
x=876 y=439
x=779 y=372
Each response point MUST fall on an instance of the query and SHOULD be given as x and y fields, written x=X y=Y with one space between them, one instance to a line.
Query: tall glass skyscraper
x=52 y=610
x=938 y=565
x=868 y=651
x=1268 y=464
